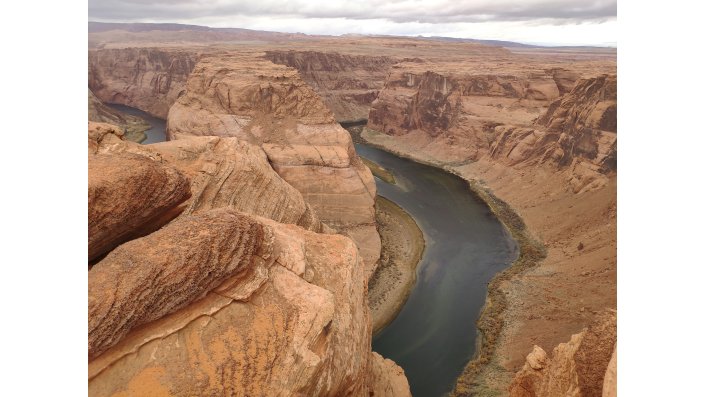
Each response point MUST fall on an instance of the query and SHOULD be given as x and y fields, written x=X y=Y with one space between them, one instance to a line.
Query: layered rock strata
x=227 y=172
x=271 y=106
x=347 y=83
x=149 y=79
x=155 y=192
x=550 y=157
x=281 y=312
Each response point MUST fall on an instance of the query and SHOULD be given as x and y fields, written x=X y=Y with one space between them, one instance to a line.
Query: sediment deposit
x=133 y=126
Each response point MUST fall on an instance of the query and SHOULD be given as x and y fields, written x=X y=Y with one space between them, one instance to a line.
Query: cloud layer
x=388 y=16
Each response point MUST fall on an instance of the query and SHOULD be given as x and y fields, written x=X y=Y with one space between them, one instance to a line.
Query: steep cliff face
x=542 y=139
x=578 y=131
x=271 y=106
x=145 y=78
x=133 y=126
x=454 y=113
x=578 y=368
x=515 y=119
x=223 y=302
x=347 y=83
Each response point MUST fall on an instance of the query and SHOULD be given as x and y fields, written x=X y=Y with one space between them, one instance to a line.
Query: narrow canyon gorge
x=237 y=256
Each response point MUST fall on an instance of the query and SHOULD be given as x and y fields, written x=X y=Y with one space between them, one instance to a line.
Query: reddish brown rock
x=128 y=196
x=576 y=369
x=226 y=172
x=347 y=83
x=271 y=106
x=148 y=278
x=149 y=79
x=289 y=317
x=387 y=379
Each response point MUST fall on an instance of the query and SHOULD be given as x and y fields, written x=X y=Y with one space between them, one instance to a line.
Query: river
x=434 y=335
x=157 y=132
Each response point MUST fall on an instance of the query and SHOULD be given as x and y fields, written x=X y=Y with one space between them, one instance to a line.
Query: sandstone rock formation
x=347 y=83
x=148 y=79
x=133 y=126
x=576 y=368
x=148 y=278
x=287 y=318
x=269 y=105
x=128 y=196
x=225 y=172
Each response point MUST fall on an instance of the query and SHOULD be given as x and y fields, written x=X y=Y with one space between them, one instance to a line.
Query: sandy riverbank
x=402 y=247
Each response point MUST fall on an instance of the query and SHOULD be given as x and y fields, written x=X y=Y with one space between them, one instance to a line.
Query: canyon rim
x=247 y=252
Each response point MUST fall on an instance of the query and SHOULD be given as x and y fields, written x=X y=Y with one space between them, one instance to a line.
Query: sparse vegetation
x=491 y=320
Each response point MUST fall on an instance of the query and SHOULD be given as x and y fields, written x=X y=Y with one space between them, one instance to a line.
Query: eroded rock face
x=271 y=106
x=225 y=172
x=288 y=317
x=128 y=196
x=148 y=278
x=146 y=78
x=347 y=83
x=520 y=119
x=577 y=368
x=133 y=126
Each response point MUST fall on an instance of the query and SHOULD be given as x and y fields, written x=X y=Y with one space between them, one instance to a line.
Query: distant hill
x=206 y=33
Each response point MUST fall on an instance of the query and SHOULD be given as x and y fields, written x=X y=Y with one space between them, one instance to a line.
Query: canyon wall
x=145 y=78
x=541 y=139
x=270 y=106
x=347 y=83
x=133 y=126
x=222 y=301
x=582 y=367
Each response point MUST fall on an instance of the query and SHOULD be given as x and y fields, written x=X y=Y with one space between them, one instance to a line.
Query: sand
x=402 y=247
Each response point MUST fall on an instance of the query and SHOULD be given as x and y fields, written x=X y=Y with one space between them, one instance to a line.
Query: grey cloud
x=400 y=11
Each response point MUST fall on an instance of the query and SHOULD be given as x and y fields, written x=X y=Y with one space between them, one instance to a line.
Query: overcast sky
x=561 y=22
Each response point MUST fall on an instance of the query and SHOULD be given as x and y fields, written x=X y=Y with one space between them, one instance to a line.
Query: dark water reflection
x=433 y=337
x=157 y=133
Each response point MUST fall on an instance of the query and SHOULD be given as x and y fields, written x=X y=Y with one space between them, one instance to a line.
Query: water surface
x=433 y=337
x=157 y=132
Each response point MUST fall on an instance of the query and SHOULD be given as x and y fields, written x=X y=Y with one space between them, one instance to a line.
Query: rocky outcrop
x=145 y=78
x=128 y=196
x=609 y=384
x=248 y=307
x=347 y=83
x=517 y=119
x=133 y=126
x=148 y=278
x=387 y=378
x=225 y=172
x=577 y=368
x=271 y=106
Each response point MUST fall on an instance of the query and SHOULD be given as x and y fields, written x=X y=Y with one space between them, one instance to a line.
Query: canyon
x=235 y=257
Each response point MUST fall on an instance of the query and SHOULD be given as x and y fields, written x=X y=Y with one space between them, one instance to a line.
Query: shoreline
x=403 y=246
x=531 y=252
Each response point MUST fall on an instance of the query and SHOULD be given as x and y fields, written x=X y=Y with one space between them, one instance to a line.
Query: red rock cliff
x=145 y=78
